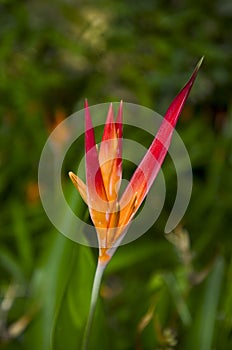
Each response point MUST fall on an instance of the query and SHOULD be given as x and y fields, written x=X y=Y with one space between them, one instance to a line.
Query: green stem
x=95 y=291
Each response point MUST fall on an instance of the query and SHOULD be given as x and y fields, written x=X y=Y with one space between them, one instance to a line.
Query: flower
x=110 y=214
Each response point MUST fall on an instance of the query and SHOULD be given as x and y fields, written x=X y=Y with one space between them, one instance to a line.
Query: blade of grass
x=202 y=331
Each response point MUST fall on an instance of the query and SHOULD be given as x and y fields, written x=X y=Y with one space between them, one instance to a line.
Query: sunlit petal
x=108 y=155
x=80 y=186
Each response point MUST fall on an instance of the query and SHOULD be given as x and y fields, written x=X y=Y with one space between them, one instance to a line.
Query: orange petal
x=80 y=186
x=110 y=155
x=126 y=214
x=107 y=154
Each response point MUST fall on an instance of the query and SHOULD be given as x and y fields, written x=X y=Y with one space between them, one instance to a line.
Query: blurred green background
x=155 y=294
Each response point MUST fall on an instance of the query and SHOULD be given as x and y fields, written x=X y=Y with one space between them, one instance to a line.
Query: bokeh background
x=156 y=293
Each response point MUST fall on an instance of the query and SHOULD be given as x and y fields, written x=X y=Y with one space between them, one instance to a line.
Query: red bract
x=110 y=214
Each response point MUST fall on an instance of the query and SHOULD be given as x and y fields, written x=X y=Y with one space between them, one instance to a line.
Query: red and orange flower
x=110 y=214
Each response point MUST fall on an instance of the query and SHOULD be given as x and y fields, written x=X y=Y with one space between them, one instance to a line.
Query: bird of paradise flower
x=110 y=214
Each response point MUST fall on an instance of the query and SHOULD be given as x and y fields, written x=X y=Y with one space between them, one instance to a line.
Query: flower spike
x=111 y=215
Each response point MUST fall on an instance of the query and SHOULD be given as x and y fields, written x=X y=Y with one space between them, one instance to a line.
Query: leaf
x=10 y=264
x=48 y=286
x=202 y=330
x=22 y=237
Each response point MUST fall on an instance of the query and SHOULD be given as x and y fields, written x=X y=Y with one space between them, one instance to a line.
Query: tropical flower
x=111 y=214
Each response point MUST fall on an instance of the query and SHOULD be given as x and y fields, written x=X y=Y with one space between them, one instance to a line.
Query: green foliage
x=155 y=294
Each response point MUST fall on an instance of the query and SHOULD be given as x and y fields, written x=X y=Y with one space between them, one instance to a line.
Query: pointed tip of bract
x=177 y=104
x=194 y=74
x=110 y=115
x=89 y=132
x=72 y=177
x=121 y=106
x=87 y=115
x=119 y=115
x=200 y=62
x=86 y=103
